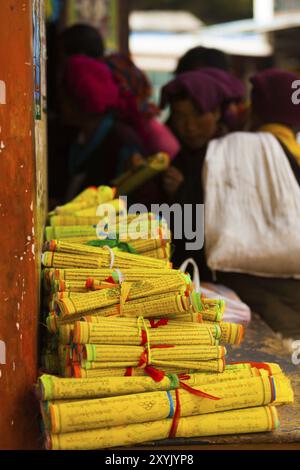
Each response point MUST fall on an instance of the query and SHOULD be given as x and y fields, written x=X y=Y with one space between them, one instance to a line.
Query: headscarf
x=90 y=83
x=272 y=97
x=133 y=81
x=208 y=88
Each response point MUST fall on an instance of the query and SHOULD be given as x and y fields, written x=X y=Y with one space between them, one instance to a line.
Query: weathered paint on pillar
x=20 y=221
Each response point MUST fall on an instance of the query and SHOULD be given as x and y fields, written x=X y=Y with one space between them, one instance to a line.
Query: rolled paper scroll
x=78 y=372
x=152 y=248
x=56 y=388
x=101 y=258
x=89 y=197
x=210 y=376
x=153 y=406
x=81 y=275
x=186 y=357
x=161 y=332
x=253 y=420
x=150 y=228
x=132 y=180
x=112 y=331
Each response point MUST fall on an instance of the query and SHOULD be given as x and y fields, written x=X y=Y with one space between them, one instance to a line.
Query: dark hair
x=82 y=39
x=202 y=57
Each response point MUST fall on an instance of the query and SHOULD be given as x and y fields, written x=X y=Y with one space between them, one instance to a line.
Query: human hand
x=136 y=161
x=172 y=179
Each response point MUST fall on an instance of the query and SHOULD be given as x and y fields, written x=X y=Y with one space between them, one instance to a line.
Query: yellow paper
x=260 y=419
x=56 y=388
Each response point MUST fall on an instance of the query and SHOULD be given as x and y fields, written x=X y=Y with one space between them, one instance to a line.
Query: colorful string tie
x=177 y=412
x=153 y=324
x=112 y=256
x=120 y=276
x=258 y=365
x=108 y=284
x=146 y=358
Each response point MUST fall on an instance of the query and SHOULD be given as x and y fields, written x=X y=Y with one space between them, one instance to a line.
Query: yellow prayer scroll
x=81 y=275
x=78 y=372
x=56 y=388
x=131 y=180
x=89 y=197
x=253 y=420
x=210 y=376
x=112 y=331
x=153 y=406
x=186 y=357
x=117 y=331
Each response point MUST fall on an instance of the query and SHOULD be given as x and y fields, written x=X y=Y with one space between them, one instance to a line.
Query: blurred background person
x=133 y=83
x=202 y=57
x=199 y=57
x=276 y=298
x=77 y=39
x=273 y=111
x=108 y=130
x=198 y=102
x=82 y=39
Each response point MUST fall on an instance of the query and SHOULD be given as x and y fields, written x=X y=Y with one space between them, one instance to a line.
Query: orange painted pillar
x=21 y=191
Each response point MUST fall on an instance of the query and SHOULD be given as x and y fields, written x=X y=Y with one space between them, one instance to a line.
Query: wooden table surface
x=260 y=345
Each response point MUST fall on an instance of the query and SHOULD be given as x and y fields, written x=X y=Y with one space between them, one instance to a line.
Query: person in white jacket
x=252 y=205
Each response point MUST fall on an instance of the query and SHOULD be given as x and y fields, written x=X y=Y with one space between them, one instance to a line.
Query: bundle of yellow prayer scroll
x=129 y=344
x=96 y=413
x=147 y=324
x=94 y=218
x=135 y=353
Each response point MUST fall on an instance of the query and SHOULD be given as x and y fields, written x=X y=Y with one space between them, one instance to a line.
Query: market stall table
x=260 y=344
